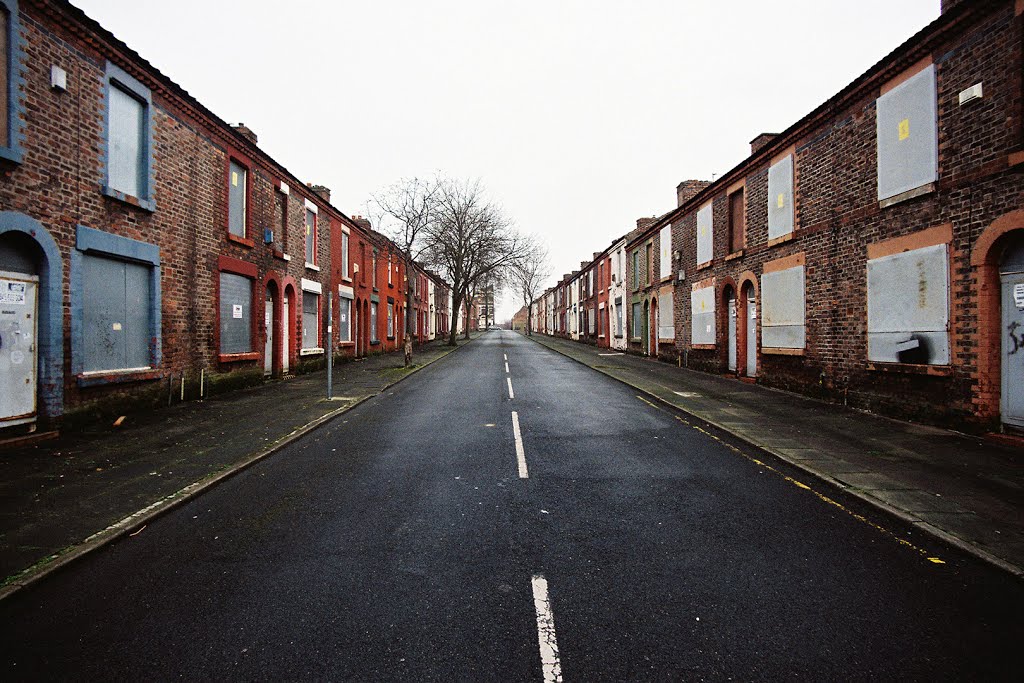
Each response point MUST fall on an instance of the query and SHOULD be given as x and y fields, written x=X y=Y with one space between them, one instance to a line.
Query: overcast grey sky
x=579 y=117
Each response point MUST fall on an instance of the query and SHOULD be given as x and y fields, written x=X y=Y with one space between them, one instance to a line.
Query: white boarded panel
x=782 y=309
x=702 y=316
x=665 y=267
x=666 y=323
x=780 y=198
x=907 y=135
x=705 y=234
x=908 y=307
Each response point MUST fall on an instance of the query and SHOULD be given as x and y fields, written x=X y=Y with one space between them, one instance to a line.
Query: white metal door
x=1012 y=401
x=286 y=341
x=731 y=304
x=17 y=348
x=751 y=337
x=268 y=326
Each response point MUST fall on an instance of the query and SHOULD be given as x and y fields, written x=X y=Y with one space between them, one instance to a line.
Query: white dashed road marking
x=506 y=368
x=511 y=394
x=546 y=631
x=520 y=452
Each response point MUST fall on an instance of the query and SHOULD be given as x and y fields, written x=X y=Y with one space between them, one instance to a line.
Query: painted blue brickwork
x=132 y=85
x=89 y=240
x=51 y=311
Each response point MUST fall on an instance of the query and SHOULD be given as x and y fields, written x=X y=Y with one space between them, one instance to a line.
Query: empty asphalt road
x=509 y=515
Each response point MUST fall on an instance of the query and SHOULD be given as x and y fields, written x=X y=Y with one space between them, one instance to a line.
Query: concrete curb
x=903 y=515
x=140 y=518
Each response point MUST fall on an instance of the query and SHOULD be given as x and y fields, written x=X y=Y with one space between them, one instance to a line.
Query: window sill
x=705 y=265
x=312 y=266
x=912 y=369
x=908 y=195
x=789 y=237
x=703 y=347
x=244 y=241
x=734 y=255
x=391 y=337
x=145 y=204
x=311 y=352
x=346 y=343
x=278 y=254
x=234 y=357
x=286 y=257
x=774 y=351
x=11 y=154
x=346 y=279
x=101 y=377
x=375 y=342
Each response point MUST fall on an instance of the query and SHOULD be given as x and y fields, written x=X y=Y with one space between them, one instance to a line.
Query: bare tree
x=526 y=275
x=407 y=209
x=469 y=240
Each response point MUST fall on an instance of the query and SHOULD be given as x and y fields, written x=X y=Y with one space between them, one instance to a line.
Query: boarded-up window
x=650 y=263
x=236 y=199
x=235 y=313
x=665 y=265
x=126 y=150
x=782 y=309
x=116 y=314
x=345 y=320
x=281 y=219
x=666 y=322
x=908 y=307
x=391 y=320
x=311 y=236
x=5 y=27
x=310 y=328
x=736 y=221
x=638 y=326
x=780 y=198
x=907 y=135
x=618 y=316
x=591 y=320
x=373 y=322
x=705 y=235
x=636 y=269
x=702 y=316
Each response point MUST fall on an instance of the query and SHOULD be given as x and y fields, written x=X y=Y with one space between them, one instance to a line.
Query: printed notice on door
x=1018 y=296
x=12 y=292
x=236 y=311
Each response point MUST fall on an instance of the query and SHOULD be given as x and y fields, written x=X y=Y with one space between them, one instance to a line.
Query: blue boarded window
x=128 y=157
x=115 y=301
x=10 y=82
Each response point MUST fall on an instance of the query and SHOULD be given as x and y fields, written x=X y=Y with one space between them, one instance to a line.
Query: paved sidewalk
x=964 y=489
x=61 y=498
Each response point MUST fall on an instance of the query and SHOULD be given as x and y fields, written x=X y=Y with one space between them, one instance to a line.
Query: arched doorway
x=653 y=333
x=748 y=328
x=31 y=322
x=1011 y=285
x=729 y=297
x=270 y=326
x=288 y=332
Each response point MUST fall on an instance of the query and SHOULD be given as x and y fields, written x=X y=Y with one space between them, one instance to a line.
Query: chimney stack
x=362 y=223
x=688 y=189
x=246 y=132
x=321 y=191
x=644 y=223
x=947 y=5
x=760 y=141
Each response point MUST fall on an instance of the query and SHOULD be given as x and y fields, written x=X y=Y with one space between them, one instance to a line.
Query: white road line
x=546 y=631
x=511 y=394
x=505 y=355
x=506 y=368
x=520 y=451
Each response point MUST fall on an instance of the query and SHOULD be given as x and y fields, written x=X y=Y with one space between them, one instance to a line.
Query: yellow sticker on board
x=234 y=178
x=782 y=200
x=904 y=129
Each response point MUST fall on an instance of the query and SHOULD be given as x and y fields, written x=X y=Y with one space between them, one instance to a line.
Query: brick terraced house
x=144 y=241
x=871 y=254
